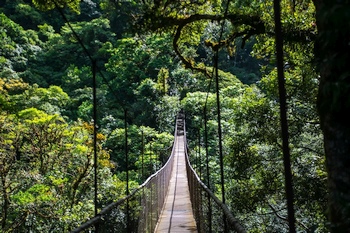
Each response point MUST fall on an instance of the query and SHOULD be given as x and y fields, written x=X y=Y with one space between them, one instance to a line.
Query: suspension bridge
x=173 y=199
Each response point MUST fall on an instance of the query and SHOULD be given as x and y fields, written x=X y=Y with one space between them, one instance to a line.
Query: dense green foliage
x=46 y=155
x=154 y=58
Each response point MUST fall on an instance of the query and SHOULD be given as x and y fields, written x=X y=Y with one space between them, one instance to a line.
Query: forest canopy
x=154 y=58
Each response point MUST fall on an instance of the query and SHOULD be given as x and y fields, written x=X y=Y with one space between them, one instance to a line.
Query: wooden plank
x=177 y=215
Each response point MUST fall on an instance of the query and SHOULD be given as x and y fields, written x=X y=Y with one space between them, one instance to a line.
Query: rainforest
x=77 y=76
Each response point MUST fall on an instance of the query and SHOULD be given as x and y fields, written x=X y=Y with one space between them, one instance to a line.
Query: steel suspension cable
x=206 y=130
x=283 y=117
x=215 y=69
x=221 y=156
x=207 y=149
x=206 y=144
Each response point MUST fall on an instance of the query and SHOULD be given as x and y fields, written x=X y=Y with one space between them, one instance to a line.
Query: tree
x=62 y=54
x=17 y=46
x=135 y=65
x=46 y=163
x=333 y=54
x=47 y=171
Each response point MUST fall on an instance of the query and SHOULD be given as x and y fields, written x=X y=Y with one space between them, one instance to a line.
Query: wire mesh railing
x=211 y=214
x=140 y=210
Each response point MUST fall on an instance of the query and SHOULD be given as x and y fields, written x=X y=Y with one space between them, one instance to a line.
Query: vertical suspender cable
x=94 y=97
x=152 y=186
x=126 y=150
x=199 y=152
x=221 y=156
x=283 y=115
x=207 y=165
x=142 y=156
x=127 y=168
x=150 y=155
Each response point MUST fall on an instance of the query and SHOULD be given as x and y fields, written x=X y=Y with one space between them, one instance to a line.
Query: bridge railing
x=210 y=213
x=140 y=210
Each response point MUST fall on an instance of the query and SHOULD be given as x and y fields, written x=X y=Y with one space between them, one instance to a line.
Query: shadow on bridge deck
x=177 y=215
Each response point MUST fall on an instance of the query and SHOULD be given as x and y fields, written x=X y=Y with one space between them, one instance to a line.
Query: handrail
x=155 y=186
x=196 y=187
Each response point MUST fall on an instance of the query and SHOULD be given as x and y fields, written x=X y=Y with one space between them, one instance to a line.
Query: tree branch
x=285 y=218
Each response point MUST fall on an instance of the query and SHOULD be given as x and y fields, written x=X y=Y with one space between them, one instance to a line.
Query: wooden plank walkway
x=177 y=215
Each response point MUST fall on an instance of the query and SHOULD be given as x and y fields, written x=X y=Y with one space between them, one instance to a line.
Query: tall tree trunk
x=333 y=53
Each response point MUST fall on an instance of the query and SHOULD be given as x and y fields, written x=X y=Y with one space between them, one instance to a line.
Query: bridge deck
x=177 y=215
